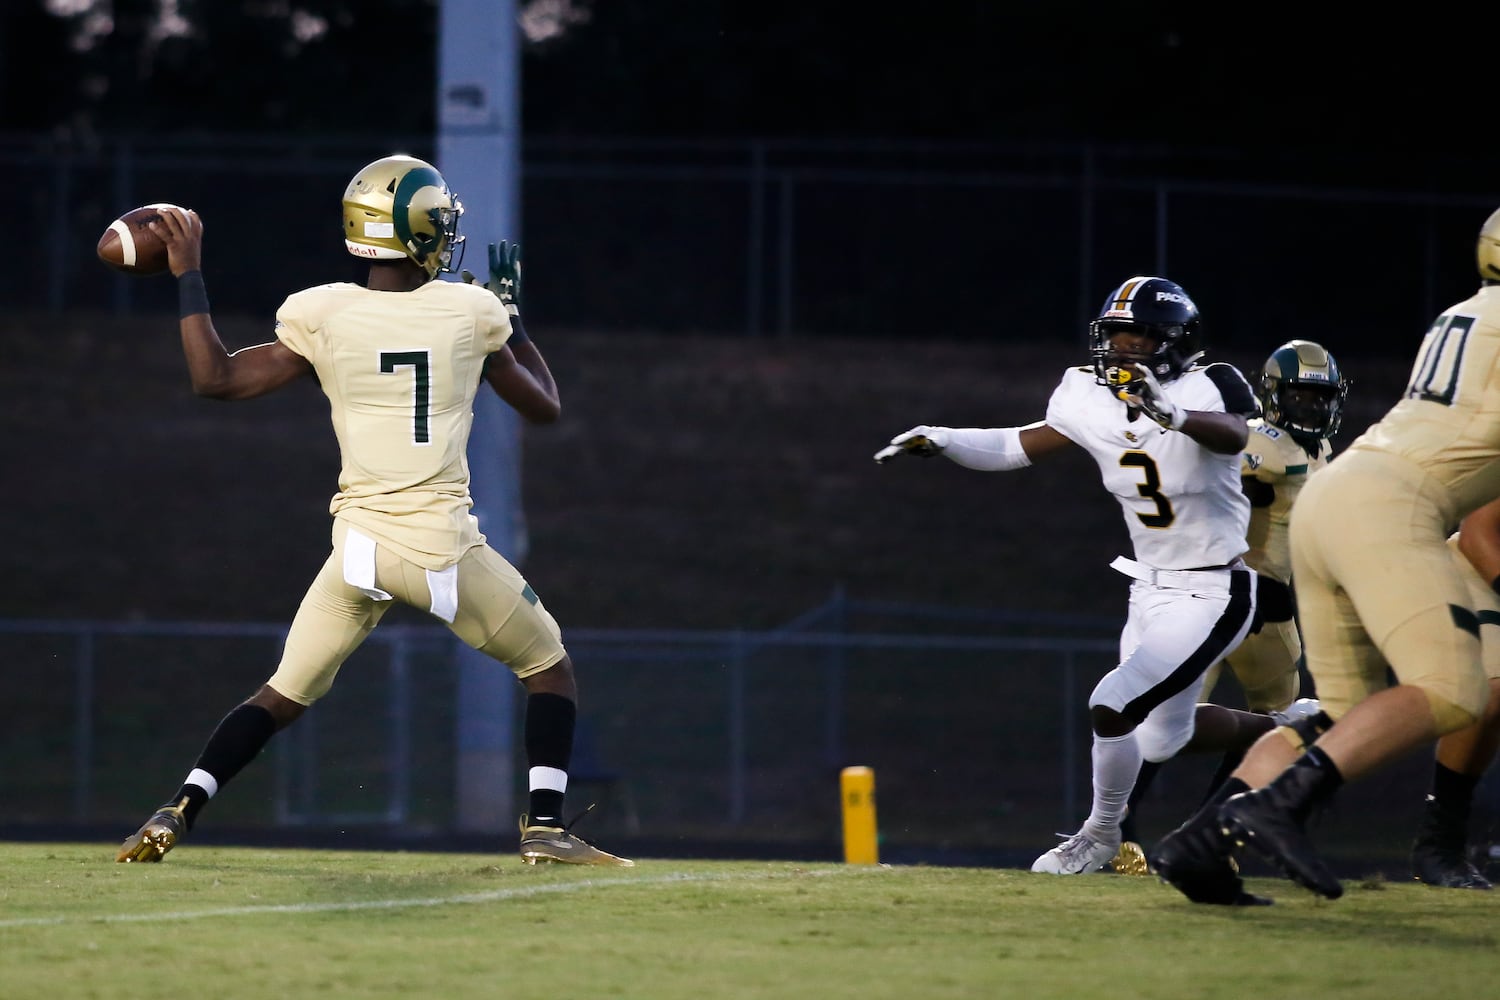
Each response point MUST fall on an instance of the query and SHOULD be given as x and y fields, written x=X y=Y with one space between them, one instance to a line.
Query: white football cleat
x=1077 y=855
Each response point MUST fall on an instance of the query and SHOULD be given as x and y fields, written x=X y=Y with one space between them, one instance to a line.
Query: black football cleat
x=1443 y=864
x=1275 y=830
x=1194 y=859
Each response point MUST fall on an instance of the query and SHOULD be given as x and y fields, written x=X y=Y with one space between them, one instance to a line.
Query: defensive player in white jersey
x=400 y=359
x=1379 y=592
x=1302 y=391
x=1166 y=433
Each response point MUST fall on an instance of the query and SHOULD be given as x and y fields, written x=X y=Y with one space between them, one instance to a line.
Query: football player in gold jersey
x=1439 y=853
x=1302 y=391
x=1378 y=591
x=400 y=360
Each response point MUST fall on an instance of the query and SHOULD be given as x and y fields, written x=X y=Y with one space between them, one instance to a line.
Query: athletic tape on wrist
x=192 y=295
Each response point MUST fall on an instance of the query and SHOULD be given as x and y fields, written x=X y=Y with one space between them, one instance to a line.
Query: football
x=128 y=244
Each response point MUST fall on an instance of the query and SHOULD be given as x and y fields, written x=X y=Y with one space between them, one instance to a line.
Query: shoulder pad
x=1269 y=430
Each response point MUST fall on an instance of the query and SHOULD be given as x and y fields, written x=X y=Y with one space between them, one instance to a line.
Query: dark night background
x=889 y=245
x=1259 y=82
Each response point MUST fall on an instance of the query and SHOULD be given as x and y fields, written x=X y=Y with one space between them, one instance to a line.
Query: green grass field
x=240 y=922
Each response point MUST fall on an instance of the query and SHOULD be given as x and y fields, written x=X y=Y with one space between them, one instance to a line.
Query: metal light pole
x=478 y=153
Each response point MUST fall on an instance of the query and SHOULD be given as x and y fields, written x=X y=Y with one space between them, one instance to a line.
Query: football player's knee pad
x=1158 y=744
x=1440 y=652
x=1304 y=732
x=1456 y=696
x=1449 y=715
x=1265 y=665
x=1166 y=730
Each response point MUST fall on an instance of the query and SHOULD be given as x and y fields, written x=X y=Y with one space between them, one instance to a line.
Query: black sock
x=1329 y=777
x=1209 y=812
x=550 y=722
x=1309 y=783
x=1129 y=826
x=1232 y=786
x=197 y=798
x=1228 y=764
x=1446 y=817
x=1452 y=793
x=240 y=736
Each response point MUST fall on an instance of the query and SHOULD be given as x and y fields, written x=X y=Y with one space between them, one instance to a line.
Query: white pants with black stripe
x=1180 y=623
x=1176 y=629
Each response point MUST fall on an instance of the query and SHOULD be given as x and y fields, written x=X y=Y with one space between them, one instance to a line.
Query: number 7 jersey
x=1448 y=420
x=1182 y=503
x=400 y=370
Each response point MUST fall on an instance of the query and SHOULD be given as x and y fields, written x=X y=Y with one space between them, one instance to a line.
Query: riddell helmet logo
x=1173 y=297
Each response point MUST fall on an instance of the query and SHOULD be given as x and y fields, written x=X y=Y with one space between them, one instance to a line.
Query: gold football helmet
x=1489 y=247
x=400 y=206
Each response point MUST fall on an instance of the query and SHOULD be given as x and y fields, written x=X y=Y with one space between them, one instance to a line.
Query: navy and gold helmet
x=1302 y=391
x=1153 y=307
x=400 y=207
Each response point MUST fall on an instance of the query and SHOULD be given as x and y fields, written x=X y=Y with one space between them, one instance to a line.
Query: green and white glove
x=505 y=275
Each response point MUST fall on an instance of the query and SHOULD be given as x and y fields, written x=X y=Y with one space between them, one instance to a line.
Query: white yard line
x=494 y=896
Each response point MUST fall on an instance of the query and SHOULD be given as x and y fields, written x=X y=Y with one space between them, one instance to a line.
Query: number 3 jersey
x=400 y=370
x=1182 y=503
x=1448 y=420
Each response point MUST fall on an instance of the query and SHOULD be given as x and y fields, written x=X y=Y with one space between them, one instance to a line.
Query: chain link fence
x=781 y=238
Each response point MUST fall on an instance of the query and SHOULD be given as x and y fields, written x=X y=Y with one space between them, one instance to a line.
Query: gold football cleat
x=555 y=844
x=157 y=835
x=1130 y=859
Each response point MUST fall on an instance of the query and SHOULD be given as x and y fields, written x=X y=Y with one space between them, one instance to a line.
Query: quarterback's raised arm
x=517 y=372
x=216 y=373
x=519 y=375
